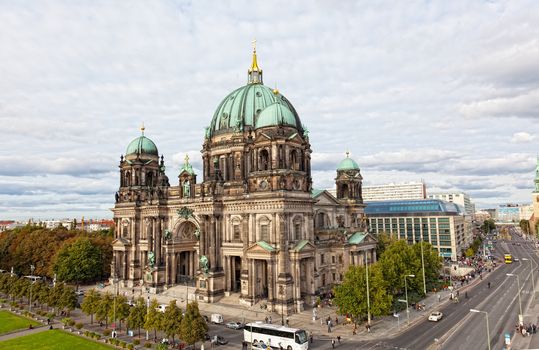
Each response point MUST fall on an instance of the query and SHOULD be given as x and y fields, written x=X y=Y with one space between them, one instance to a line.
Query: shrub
x=78 y=326
x=66 y=320
x=106 y=332
x=136 y=342
x=130 y=346
x=148 y=345
x=87 y=333
x=71 y=323
x=123 y=344
x=50 y=315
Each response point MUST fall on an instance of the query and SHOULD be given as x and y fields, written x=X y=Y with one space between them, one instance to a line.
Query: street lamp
x=423 y=267
x=406 y=294
x=518 y=285
x=533 y=280
x=147 y=311
x=486 y=316
x=115 y=286
x=31 y=285
x=368 y=297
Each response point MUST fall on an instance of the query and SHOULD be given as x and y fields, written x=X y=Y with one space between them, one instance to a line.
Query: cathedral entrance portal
x=261 y=279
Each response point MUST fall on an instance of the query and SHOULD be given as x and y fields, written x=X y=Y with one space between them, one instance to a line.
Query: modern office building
x=253 y=225
x=392 y=191
x=440 y=223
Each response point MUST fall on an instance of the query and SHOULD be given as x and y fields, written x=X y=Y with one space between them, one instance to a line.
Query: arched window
x=264 y=160
x=294 y=160
x=344 y=191
x=128 y=178
x=281 y=157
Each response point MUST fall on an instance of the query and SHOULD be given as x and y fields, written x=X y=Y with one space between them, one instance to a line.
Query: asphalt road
x=461 y=329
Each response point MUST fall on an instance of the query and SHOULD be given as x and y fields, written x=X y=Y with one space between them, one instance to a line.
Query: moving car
x=217 y=339
x=234 y=325
x=435 y=316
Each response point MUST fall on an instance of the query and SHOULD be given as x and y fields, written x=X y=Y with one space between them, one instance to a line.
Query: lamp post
x=115 y=284
x=147 y=311
x=31 y=285
x=518 y=285
x=488 y=331
x=406 y=294
x=368 y=297
x=423 y=267
x=533 y=280
x=281 y=293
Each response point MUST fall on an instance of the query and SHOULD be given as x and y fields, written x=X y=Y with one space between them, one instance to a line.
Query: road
x=461 y=329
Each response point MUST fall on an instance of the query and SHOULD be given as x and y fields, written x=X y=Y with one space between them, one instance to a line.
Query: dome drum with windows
x=253 y=106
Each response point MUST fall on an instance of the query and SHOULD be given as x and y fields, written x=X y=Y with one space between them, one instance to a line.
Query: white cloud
x=522 y=137
x=430 y=94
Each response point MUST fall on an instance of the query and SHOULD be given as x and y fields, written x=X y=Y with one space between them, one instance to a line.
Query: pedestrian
x=270 y=320
x=336 y=321
x=333 y=343
x=311 y=338
x=466 y=295
x=439 y=297
x=266 y=319
x=48 y=321
x=339 y=339
x=354 y=330
x=329 y=327
x=287 y=322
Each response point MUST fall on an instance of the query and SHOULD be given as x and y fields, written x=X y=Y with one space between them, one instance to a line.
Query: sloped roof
x=357 y=238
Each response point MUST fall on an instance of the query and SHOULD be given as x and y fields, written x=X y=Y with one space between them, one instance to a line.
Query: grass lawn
x=10 y=322
x=52 y=340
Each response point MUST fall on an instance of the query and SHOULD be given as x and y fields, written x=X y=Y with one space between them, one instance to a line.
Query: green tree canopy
x=154 y=318
x=90 y=303
x=79 y=262
x=351 y=295
x=172 y=320
x=104 y=308
x=193 y=326
x=137 y=315
x=120 y=310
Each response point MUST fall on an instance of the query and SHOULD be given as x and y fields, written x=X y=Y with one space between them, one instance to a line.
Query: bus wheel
x=255 y=342
x=288 y=347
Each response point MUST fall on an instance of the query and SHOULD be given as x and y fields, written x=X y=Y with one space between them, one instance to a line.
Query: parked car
x=217 y=339
x=235 y=325
x=435 y=316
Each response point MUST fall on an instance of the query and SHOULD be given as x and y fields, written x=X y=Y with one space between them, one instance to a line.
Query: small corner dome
x=276 y=114
x=348 y=164
x=142 y=145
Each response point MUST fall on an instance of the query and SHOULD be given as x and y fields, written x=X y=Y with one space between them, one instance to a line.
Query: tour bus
x=508 y=258
x=265 y=336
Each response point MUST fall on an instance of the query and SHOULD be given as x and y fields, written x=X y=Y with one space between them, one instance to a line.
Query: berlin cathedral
x=252 y=224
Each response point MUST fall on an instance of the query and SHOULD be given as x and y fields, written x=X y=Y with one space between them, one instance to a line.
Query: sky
x=441 y=91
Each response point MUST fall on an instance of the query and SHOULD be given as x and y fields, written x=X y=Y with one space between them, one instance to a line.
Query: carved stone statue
x=203 y=263
x=186 y=189
x=151 y=259
x=168 y=235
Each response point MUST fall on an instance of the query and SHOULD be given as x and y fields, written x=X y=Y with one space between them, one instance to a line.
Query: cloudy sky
x=444 y=91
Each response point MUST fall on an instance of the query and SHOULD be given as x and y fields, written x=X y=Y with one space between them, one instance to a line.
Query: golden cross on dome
x=142 y=128
x=254 y=45
x=347 y=154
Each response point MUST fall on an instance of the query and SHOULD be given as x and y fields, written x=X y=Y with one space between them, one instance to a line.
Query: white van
x=217 y=318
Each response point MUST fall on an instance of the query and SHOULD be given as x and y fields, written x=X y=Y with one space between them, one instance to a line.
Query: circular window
x=258 y=94
x=263 y=185
x=258 y=111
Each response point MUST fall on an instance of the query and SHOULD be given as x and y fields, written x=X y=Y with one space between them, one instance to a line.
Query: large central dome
x=241 y=109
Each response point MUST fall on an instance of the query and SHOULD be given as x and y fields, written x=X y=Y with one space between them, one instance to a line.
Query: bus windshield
x=301 y=336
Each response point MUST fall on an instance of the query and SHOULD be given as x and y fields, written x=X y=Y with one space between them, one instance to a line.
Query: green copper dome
x=242 y=107
x=348 y=164
x=276 y=114
x=141 y=145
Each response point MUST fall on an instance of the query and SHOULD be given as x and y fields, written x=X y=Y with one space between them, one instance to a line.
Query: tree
x=351 y=295
x=384 y=240
x=79 y=262
x=104 y=308
x=90 y=303
x=432 y=262
x=488 y=225
x=154 y=318
x=137 y=315
x=172 y=319
x=193 y=326
x=525 y=226
x=43 y=293
x=68 y=299
x=397 y=261
x=120 y=309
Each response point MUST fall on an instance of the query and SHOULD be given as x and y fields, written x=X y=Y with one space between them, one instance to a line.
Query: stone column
x=212 y=250
x=158 y=242
x=283 y=246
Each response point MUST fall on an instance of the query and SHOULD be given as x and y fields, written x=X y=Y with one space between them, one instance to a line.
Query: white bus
x=267 y=336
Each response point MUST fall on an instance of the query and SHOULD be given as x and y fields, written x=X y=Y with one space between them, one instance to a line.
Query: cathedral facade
x=252 y=224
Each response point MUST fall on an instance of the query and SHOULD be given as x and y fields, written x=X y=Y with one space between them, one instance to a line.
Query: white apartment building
x=393 y=191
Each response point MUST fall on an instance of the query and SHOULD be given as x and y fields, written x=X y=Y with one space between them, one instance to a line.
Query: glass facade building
x=437 y=222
